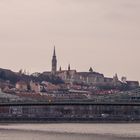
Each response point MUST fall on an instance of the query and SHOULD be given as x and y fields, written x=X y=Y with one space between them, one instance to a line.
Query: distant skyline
x=103 y=34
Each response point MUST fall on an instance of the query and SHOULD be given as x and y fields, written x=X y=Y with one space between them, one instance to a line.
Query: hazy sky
x=104 y=34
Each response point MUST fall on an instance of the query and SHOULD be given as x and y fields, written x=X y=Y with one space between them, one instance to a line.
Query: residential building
x=35 y=87
x=21 y=86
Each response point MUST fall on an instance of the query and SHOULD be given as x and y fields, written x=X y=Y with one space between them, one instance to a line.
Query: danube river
x=67 y=131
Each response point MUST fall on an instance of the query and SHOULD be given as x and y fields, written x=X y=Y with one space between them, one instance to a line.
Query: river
x=70 y=131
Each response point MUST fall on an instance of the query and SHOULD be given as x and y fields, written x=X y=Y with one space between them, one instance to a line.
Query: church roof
x=62 y=71
x=89 y=73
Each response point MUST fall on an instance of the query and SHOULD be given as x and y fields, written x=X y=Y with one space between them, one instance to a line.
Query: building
x=132 y=84
x=35 y=87
x=90 y=78
x=72 y=76
x=67 y=75
x=21 y=86
x=49 y=86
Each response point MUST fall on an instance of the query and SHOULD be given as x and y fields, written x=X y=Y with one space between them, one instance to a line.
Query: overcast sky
x=104 y=34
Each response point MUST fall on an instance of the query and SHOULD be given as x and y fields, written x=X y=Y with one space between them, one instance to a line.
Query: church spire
x=69 y=67
x=54 y=62
x=54 y=54
x=60 y=69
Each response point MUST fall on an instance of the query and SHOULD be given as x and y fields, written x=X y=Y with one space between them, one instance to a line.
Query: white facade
x=35 y=87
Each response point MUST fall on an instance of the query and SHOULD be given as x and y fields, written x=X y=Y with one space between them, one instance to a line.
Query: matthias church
x=71 y=76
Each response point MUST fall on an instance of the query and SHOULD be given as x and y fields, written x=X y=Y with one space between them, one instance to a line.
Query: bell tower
x=54 y=63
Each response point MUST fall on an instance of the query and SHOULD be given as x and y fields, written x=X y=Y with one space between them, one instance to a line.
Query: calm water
x=70 y=132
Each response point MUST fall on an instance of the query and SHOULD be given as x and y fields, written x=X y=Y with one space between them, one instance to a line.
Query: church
x=71 y=76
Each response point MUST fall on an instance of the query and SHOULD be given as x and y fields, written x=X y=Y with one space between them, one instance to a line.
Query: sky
x=103 y=34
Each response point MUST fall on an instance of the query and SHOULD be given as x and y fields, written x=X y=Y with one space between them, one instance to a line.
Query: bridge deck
x=71 y=103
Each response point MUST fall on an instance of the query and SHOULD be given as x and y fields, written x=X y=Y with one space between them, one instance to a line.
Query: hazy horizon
x=101 y=34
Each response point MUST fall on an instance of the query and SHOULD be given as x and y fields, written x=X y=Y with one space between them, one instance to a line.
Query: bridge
x=124 y=109
x=69 y=111
x=71 y=103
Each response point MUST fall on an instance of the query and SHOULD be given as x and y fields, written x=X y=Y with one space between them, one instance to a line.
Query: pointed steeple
x=54 y=63
x=69 y=67
x=54 y=54
x=60 y=69
x=90 y=69
x=115 y=78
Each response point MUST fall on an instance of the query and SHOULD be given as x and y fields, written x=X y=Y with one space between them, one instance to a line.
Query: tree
x=3 y=75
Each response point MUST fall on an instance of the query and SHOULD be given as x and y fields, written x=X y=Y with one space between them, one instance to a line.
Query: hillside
x=13 y=77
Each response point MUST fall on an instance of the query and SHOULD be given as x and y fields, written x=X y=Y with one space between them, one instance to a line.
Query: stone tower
x=54 y=63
